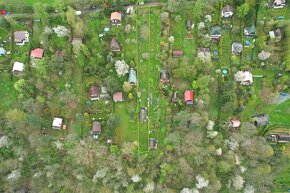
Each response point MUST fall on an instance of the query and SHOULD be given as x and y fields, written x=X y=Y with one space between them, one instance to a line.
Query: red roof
x=177 y=53
x=118 y=96
x=116 y=16
x=37 y=53
x=188 y=97
x=236 y=123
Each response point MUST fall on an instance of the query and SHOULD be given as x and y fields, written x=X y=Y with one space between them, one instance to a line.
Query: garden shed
x=279 y=4
x=114 y=45
x=116 y=18
x=261 y=119
x=235 y=123
x=215 y=33
x=244 y=77
x=96 y=128
x=21 y=37
x=174 y=98
x=188 y=25
x=143 y=114
x=164 y=76
x=227 y=11
x=153 y=143
x=177 y=53
x=279 y=137
x=188 y=97
x=18 y=68
x=57 y=123
x=132 y=77
x=276 y=35
x=237 y=48
x=94 y=92
x=118 y=97
x=204 y=52
x=37 y=53
x=250 y=31
x=2 y=51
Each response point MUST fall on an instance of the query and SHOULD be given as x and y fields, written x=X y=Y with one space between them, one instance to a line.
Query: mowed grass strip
x=143 y=72
x=15 y=3
x=7 y=93
x=157 y=110
x=226 y=43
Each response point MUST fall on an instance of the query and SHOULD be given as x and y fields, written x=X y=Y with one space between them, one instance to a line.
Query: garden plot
x=225 y=47
x=157 y=103
x=264 y=101
x=127 y=131
x=142 y=48
x=14 y=3
x=143 y=73
x=7 y=92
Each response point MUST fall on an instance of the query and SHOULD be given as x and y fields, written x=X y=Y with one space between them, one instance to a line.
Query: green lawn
x=7 y=92
x=281 y=12
x=127 y=130
x=283 y=180
x=178 y=31
x=279 y=114
x=247 y=53
x=3 y=33
x=225 y=47
x=27 y=2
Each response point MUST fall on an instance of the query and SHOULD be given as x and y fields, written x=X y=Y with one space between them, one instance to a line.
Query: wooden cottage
x=116 y=18
x=115 y=46
x=96 y=129
x=188 y=97
x=164 y=76
x=94 y=92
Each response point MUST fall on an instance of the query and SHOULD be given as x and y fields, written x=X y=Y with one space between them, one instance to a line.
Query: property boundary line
x=137 y=85
x=138 y=67
x=149 y=86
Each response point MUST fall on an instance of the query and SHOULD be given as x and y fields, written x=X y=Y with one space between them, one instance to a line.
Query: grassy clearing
x=127 y=131
x=213 y=106
x=178 y=31
x=279 y=114
x=7 y=92
x=280 y=12
x=283 y=180
x=225 y=47
x=14 y=3
x=247 y=54
x=3 y=33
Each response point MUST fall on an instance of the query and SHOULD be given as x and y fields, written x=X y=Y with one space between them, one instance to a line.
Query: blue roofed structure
x=2 y=51
x=132 y=77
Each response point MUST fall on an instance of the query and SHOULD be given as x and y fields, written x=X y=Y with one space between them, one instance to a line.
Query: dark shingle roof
x=228 y=8
x=216 y=30
x=114 y=45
